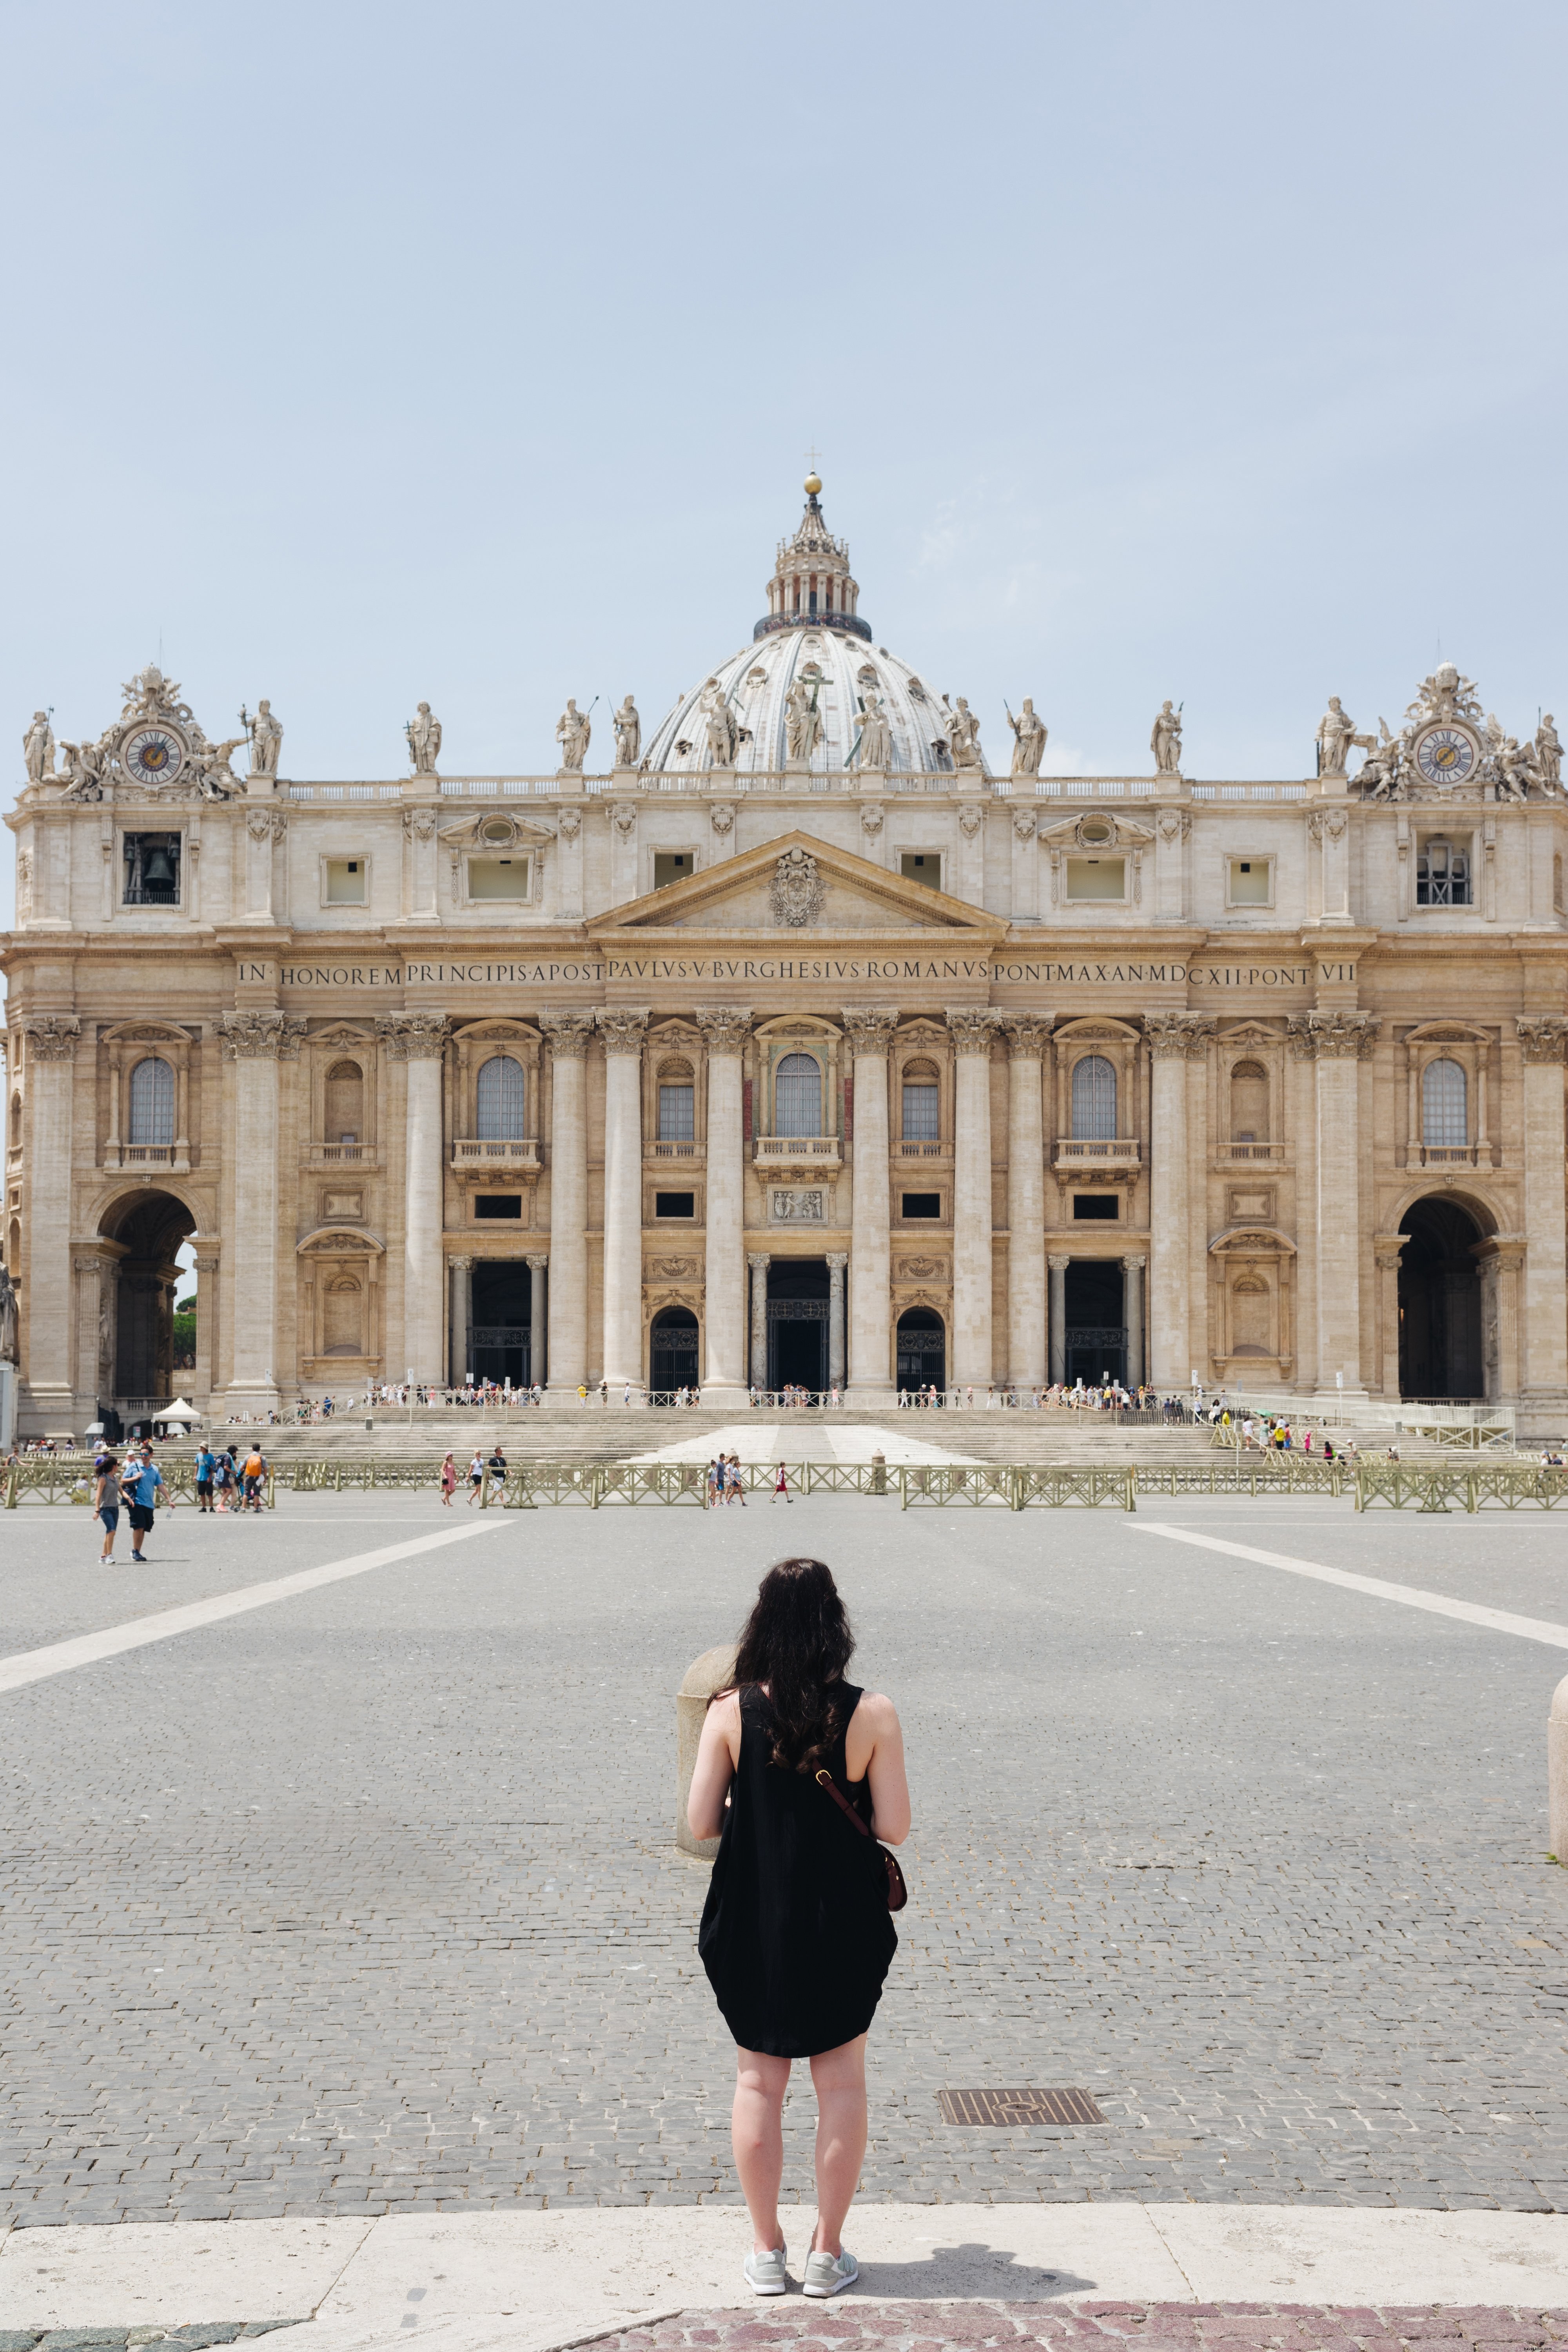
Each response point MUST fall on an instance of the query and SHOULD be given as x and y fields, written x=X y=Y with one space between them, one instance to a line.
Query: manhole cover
x=1014 y=2107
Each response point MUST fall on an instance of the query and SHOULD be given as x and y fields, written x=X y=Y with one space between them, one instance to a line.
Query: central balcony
x=340 y=1155
x=516 y=1156
x=817 y=1152
x=658 y=1154
x=1113 y=1155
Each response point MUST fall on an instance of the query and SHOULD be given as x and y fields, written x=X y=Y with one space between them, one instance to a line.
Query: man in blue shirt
x=207 y=1471
x=142 y=1484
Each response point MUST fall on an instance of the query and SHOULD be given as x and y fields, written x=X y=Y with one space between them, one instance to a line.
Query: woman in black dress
x=796 y=1934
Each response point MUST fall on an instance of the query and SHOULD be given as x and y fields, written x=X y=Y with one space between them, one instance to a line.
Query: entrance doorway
x=136 y=1358
x=798 y=1291
x=672 y=1351
x=498 y=1329
x=1440 y=1304
x=1095 y=1334
x=923 y=1349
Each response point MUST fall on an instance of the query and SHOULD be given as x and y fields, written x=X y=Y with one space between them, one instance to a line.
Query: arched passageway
x=672 y=1349
x=1439 y=1303
x=923 y=1349
x=136 y=1350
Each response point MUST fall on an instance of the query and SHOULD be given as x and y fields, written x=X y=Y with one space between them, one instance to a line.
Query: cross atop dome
x=811 y=586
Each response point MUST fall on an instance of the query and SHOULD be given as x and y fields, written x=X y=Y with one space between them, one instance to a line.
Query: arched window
x=1094 y=1099
x=500 y=1100
x=922 y=1104
x=1249 y=1103
x=152 y=1103
x=798 y=1096
x=676 y=1103
x=345 y=1105
x=1445 y=1104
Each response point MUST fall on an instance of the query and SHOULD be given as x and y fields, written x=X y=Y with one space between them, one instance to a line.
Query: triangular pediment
x=798 y=887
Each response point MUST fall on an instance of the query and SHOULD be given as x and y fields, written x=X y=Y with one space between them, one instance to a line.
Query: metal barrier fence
x=1015 y=1487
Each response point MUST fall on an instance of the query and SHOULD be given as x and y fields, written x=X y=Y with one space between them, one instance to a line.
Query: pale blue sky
x=363 y=355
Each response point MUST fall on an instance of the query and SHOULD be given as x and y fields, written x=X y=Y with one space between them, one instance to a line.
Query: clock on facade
x=1446 y=755
x=154 y=755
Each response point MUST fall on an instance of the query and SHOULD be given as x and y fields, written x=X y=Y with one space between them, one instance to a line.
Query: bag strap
x=825 y=1779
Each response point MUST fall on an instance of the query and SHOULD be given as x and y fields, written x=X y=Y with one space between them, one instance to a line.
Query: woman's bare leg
x=840 y=2079
x=756 y=2135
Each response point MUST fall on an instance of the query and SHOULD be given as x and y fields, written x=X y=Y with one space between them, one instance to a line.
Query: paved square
x=366 y=1900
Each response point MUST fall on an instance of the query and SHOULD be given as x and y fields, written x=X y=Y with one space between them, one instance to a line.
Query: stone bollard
x=1557 y=1772
x=713 y=1671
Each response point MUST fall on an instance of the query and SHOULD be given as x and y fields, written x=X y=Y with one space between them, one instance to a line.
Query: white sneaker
x=766 y=2274
x=830 y=2273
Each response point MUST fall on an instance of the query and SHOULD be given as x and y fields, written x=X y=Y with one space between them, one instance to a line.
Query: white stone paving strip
x=1412 y=1596
x=89 y=1649
x=528 y=2281
x=771 y=1441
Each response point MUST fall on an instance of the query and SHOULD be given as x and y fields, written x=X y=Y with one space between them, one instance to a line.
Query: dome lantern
x=811 y=586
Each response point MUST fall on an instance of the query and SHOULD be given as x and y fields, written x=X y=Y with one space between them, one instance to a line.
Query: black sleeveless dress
x=795 y=1935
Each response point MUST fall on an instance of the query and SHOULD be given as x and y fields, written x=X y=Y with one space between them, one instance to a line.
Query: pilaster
x=1542 y=1043
x=418 y=1040
x=256 y=1043
x=1337 y=1042
x=1028 y=1036
x=50 y=1077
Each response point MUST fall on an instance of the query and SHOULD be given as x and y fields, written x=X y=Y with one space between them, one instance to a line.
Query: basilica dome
x=812 y=638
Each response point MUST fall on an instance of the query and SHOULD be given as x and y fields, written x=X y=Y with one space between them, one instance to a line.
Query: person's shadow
x=971 y=2269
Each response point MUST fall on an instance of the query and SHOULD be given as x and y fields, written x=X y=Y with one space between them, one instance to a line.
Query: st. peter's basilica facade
x=796 y=1045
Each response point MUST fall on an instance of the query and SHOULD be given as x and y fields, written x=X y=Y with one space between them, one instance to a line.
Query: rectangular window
x=1442 y=873
x=498 y=877
x=346 y=881
x=921 y=1114
x=1251 y=881
x=672 y=866
x=677 y=1114
x=152 y=869
x=922 y=866
x=922 y=1204
x=1094 y=1204
x=1096 y=877
x=675 y=1205
x=498 y=1204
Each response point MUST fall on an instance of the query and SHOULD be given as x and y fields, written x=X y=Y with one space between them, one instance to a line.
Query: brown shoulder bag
x=897 y=1893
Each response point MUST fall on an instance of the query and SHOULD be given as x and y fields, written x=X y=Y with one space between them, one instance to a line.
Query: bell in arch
x=159 y=870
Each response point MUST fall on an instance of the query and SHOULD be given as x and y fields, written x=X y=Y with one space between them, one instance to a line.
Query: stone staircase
x=612 y=1432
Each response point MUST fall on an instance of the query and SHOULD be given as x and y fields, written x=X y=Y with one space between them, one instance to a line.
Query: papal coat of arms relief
x=797 y=893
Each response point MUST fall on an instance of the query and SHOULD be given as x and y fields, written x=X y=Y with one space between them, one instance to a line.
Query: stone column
x=1172 y=1039
x=759 y=1262
x=837 y=1262
x=538 y=1368
x=1027 y=1037
x=1058 y=1332
x=568 y=1034
x=461 y=1355
x=205 y=1372
x=50 y=1079
x=1132 y=1309
x=418 y=1040
x=869 y=1033
x=973 y=1028
x=1338 y=1043
x=264 y=828
x=1386 y=1248
x=623 y=1033
x=256 y=1043
x=1542 y=1042
x=725 y=1030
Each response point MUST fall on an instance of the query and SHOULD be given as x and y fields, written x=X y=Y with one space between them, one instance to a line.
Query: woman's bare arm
x=717 y=1757
x=879 y=1717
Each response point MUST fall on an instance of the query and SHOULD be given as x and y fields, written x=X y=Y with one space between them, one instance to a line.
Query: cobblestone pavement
x=367 y=1900
x=1174 y=2327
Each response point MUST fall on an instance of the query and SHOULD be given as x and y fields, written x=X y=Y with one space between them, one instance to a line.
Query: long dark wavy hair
x=798 y=1640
